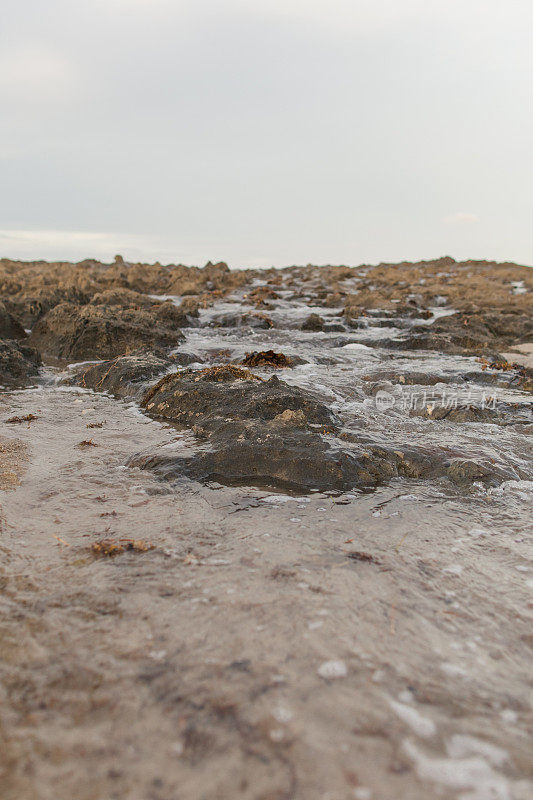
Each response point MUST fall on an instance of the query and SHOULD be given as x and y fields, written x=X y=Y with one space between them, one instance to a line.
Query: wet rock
x=284 y=454
x=261 y=294
x=29 y=307
x=197 y=398
x=465 y=334
x=19 y=363
x=163 y=311
x=10 y=328
x=334 y=327
x=227 y=321
x=262 y=454
x=293 y=419
x=508 y=373
x=126 y=376
x=384 y=379
x=334 y=299
x=465 y=413
x=120 y=296
x=259 y=321
x=465 y=472
x=266 y=358
x=89 y=332
x=191 y=306
x=500 y=414
x=516 y=378
x=259 y=432
x=313 y=323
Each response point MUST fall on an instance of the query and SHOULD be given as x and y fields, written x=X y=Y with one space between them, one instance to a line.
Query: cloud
x=366 y=13
x=461 y=218
x=34 y=74
x=68 y=245
x=58 y=244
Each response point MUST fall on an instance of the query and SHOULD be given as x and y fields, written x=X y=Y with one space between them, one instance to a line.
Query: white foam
x=422 y=726
x=475 y=774
x=276 y=498
x=356 y=346
x=462 y=745
x=333 y=669
x=524 y=489
x=453 y=670
x=453 y=569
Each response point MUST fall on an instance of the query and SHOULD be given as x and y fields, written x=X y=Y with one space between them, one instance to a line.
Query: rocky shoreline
x=130 y=317
x=265 y=532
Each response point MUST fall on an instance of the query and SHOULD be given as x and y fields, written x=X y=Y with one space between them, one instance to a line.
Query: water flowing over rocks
x=259 y=432
x=124 y=376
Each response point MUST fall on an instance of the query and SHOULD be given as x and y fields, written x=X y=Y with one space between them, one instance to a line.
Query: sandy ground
x=369 y=646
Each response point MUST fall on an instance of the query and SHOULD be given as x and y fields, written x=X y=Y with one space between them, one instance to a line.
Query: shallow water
x=371 y=644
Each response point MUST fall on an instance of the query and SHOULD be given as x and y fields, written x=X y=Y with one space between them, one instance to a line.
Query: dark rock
x=163 y=311
x=259 y=432
x=120 y=296
x=502 y=414
x=465 y=472
x=261 y=294
x=384 y=379
x=259 y=321
x=197 y=398
x=464 y=334
x=29 y=307
x=10 y=328
x=313 y=323
x=77 y=333
x=334 y=327
x=227 y=321
x=190 y=306
x=465 y=413
x=126 y=376
x=258 y=454
x=19 y=363
x=266 y=358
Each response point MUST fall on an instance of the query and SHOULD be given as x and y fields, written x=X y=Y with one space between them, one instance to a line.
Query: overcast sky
x=266 y=132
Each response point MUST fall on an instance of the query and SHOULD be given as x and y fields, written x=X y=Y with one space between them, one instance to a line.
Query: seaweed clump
x=266 y=358
x=111 y=547
x=225 y=373
x=20 y=420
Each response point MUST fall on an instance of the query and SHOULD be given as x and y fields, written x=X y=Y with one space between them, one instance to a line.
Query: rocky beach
x=266 y=534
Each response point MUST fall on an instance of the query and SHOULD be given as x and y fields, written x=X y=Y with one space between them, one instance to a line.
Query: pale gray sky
x=266 y=131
